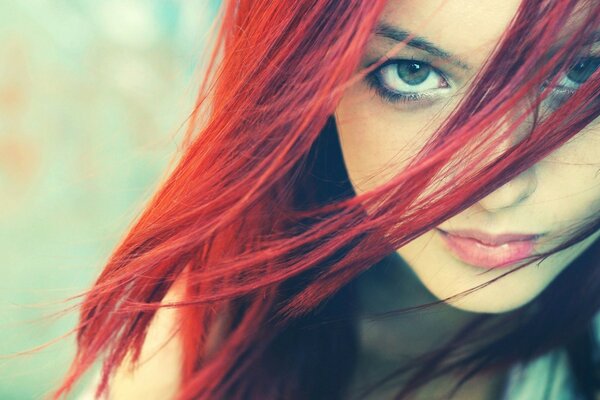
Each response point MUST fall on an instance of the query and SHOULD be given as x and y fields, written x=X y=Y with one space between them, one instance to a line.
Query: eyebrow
x=399 y=35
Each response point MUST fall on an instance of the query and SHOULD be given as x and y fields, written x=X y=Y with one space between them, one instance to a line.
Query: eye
x=570 y=80
x=579 y=72
x=583 y=69
x=407 y=80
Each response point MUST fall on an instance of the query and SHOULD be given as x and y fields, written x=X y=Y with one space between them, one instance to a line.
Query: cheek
x=581 y=150
x=570 y=178
x=378 y=141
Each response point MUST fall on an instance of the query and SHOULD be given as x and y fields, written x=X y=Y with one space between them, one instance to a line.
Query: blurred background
x=93 y=95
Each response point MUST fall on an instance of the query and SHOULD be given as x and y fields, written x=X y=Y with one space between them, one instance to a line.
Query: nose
x=513 y=193
x=518 y=189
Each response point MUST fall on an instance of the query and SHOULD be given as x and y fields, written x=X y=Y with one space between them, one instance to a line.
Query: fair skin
x=378 y=138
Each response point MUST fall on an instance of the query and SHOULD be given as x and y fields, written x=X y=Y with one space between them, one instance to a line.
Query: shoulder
x=157 y=374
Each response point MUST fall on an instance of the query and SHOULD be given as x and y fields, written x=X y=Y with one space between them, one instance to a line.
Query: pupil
x=413 y=73
x=581 y=71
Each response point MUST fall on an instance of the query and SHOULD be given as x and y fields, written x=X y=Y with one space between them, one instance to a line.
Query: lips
x=484 y=250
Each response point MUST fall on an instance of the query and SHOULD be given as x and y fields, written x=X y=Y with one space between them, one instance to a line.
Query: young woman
x=376 y=199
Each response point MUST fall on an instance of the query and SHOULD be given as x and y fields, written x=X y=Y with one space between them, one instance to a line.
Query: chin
x=444 y=276
x=506 y=294
x=486 y=303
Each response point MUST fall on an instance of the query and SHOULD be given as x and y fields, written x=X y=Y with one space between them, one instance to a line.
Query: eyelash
x=564 y=89
x=375 y=81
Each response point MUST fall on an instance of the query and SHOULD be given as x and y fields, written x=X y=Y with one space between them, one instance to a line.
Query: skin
x=378 y=139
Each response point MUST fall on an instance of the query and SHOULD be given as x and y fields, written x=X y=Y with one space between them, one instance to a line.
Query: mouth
x=484 y=250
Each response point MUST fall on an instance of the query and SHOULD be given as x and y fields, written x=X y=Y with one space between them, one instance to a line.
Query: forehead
x=467 y=28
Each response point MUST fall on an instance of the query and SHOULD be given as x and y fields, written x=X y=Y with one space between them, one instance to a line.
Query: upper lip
x=490 y=239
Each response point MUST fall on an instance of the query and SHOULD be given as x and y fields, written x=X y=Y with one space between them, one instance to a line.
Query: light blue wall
x=92 y=94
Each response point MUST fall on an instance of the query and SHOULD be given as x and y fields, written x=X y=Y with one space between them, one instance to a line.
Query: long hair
x=259 y=217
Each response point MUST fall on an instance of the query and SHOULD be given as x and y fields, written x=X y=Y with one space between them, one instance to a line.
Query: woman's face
x=383 y=121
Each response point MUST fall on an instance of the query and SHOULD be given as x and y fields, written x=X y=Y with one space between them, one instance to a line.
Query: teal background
x=92 y=97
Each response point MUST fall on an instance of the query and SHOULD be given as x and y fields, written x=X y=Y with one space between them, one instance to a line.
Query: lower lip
x=481 y=255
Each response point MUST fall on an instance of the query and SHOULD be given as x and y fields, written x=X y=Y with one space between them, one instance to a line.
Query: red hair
x=260 y=218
